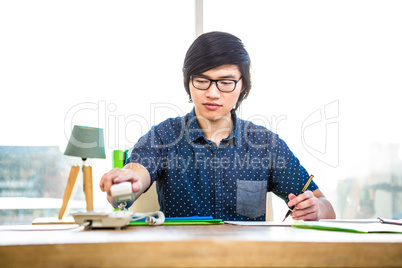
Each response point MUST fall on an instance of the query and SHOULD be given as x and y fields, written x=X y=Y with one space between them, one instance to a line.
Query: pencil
x=302 y=191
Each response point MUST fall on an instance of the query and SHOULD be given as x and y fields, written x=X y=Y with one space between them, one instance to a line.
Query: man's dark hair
x=214 y=49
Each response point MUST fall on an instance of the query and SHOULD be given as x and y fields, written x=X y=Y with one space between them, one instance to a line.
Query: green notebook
x=342 y=226
x=191 y=220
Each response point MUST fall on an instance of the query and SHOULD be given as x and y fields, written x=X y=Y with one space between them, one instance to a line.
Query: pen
x=302 y=191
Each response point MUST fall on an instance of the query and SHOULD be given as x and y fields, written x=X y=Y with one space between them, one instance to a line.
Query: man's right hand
x=132 y=172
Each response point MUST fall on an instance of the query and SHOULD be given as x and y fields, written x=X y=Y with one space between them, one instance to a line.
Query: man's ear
x=190 y=99
x=243 y=88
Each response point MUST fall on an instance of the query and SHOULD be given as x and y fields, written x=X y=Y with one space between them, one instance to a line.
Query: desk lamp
x=84 y=142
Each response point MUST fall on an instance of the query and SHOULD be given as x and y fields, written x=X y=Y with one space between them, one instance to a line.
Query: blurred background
x=325 y=77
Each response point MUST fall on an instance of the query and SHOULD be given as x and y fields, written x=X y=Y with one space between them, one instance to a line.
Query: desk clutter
x=124 y=219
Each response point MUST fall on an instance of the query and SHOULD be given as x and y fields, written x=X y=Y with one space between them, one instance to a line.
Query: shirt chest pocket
x=251 y=198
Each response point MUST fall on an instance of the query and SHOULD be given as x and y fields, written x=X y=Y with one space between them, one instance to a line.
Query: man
x=210 y=162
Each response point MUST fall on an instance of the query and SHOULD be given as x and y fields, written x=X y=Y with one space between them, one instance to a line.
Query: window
x=92 y=63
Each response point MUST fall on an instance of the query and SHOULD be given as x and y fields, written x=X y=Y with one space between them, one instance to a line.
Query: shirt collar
x=193 y=129
x=195 y=132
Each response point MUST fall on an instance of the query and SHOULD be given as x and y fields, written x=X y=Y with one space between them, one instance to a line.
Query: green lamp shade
x=86 y=142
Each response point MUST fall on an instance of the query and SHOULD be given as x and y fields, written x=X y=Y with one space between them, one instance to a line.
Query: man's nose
x=213 y=91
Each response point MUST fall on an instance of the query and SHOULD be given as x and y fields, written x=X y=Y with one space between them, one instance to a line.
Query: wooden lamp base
x=72 y=178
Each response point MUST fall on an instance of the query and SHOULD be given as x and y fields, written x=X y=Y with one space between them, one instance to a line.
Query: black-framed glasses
x=224 y=85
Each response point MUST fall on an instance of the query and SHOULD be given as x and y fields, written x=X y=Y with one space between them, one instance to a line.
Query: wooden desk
x=199 y=246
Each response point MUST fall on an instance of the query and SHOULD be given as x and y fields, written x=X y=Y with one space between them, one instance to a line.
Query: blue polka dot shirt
x=195 y=177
